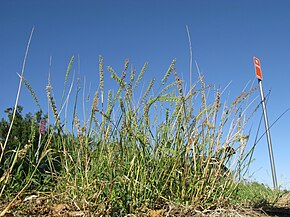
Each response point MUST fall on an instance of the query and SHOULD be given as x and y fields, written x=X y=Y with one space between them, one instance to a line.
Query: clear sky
x=225 y=36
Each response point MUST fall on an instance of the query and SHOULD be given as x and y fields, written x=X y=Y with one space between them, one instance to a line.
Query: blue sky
x=225 y=36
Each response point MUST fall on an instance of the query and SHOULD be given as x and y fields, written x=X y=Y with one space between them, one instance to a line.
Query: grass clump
x=257 y=195
x=171 y=149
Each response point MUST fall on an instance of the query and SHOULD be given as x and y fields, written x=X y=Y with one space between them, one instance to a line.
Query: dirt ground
x=39 y=206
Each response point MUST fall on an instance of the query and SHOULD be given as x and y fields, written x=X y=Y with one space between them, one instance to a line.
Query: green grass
x=173 y=148
x=257 y=195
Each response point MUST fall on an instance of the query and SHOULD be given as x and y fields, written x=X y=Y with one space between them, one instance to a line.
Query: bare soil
x=40 y=206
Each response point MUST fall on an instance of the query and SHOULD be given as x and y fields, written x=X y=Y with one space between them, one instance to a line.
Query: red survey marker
x=258 y=68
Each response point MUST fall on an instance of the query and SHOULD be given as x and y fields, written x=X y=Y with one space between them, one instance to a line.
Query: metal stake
x=268 y=136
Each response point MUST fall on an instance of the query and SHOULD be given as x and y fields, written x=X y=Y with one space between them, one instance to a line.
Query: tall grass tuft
x=173 y=149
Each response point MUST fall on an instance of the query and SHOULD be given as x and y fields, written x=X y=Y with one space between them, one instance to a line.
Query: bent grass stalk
x=17 y=95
